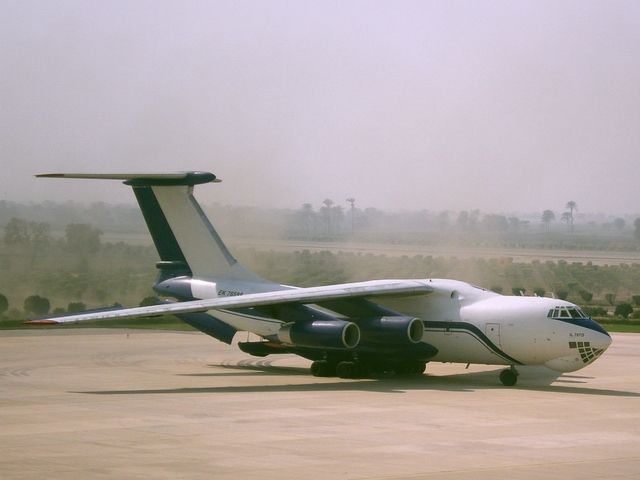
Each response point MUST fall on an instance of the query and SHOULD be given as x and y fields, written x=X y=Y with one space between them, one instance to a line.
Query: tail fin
x=186 y=241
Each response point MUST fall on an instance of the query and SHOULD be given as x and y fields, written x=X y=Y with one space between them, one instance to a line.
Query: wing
x=358 y=290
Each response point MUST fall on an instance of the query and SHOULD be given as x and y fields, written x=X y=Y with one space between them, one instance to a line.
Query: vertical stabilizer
x=186 y=241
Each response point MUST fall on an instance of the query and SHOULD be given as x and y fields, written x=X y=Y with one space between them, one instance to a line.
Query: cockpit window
x=566 y=312
x=575 y=313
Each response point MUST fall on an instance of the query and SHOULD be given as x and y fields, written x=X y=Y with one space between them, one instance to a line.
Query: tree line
x=80 y=238
x=124 y=275
x=330 y=220
x=333 y=222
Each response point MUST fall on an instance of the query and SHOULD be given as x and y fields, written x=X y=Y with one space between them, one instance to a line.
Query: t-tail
x=194 y=261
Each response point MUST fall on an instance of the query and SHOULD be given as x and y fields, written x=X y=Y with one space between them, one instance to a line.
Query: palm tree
x=571 y=205
x=547 y=217
x=327 y=213
x=352 y=201
x=306 y=217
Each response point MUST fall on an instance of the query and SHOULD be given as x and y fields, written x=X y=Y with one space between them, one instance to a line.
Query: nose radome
x=602 y=342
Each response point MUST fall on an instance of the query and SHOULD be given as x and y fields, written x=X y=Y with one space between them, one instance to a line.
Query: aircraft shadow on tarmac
x=535 y=379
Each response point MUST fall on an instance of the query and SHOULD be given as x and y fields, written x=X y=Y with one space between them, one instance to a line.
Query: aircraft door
x=453 y=312
x=492 y=331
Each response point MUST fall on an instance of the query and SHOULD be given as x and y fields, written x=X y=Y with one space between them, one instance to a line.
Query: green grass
x=613 y=328
x=631 y=325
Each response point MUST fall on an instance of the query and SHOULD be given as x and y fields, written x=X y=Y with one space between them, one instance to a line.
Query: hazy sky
x=497 y=105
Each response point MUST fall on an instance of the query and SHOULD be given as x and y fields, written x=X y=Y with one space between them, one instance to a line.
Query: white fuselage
x=468 y=324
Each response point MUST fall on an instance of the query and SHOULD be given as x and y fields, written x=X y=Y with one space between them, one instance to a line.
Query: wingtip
x=41 y=322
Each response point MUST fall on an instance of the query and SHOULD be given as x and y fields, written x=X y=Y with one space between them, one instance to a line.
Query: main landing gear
x=509 y=377
x=325 y=368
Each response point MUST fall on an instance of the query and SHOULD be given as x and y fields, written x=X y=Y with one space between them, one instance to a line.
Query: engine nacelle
x=391 y=330
x=338 y=334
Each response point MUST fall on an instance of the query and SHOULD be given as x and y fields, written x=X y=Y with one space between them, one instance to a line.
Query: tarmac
x=130 y=404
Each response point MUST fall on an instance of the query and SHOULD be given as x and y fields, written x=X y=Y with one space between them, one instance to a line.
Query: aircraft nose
x=597 y=342
x=601 y=341
x=599 y=337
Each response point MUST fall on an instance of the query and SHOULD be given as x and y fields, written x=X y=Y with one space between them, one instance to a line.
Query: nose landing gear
x=509 y=376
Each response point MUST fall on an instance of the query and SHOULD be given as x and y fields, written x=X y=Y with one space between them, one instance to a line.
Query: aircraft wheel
x=373 y=369
x=348 y=370
x=322 y=368
x=419 y=368
x=508 y=377
x=411 y=368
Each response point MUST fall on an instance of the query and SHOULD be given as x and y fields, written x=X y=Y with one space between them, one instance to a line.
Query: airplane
x=349 y=330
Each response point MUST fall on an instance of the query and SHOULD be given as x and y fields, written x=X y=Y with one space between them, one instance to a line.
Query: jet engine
x=338 y=334
x=391 y=330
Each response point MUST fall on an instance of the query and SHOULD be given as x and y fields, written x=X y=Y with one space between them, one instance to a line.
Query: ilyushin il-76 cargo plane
x=348 y=330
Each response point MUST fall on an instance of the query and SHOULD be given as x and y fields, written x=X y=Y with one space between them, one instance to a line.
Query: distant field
x=131 y=238
x=521 y=255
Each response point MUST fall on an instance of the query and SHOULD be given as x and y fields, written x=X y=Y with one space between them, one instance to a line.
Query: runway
x=137 y=404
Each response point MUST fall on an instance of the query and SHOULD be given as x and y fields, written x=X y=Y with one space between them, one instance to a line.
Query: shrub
x=4 y=304
x=76 y=307
x=595 y=311
x=636 y=300
x=610 y=298
x=148 y=301
x=586 y=296
x=36 y=305
x=518 y=291
x=624 y=310
x=562 y=294
x=539 y=291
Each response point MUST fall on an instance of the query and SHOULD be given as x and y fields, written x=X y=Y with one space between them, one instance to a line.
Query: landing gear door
x=492 y=331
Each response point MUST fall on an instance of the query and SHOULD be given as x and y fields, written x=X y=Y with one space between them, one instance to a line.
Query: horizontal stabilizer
x=149 y=179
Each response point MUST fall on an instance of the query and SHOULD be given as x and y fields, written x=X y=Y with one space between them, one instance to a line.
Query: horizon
x=578 y=215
